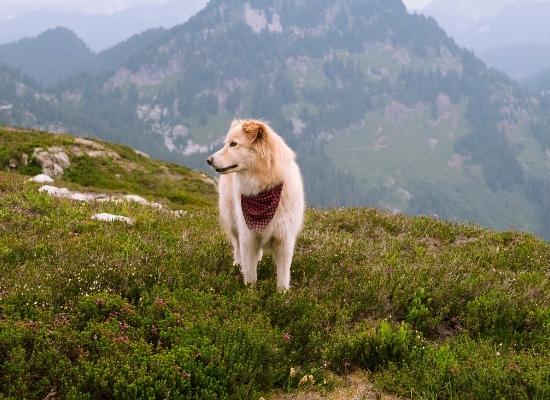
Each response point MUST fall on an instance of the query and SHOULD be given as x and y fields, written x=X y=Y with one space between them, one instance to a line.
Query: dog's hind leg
x=283 y=251
x=250 y=254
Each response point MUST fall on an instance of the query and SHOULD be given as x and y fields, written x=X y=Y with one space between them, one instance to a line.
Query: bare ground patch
x=353 y=387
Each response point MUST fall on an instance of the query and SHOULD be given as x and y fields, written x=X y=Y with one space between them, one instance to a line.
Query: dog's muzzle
x=210 y=161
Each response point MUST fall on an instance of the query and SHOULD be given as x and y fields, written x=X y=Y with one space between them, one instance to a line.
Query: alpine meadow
x=423 y=267
x=382 y=106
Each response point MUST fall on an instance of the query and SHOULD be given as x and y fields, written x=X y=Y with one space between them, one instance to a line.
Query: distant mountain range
x=457 y=13
x=382 y=107
x=519 y=60
x=509 y=35
x=58 y=54
x=539 y=83
x=48 y=58
x=100 y=32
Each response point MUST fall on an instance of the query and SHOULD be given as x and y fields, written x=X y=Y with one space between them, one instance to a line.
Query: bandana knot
x=260 y=209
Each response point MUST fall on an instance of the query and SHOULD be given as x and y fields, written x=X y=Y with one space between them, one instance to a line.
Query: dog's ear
x=254 y=130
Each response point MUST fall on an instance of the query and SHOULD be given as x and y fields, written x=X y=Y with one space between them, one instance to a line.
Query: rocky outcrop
x=53 y=160
x=15 y=163
x=92 y=149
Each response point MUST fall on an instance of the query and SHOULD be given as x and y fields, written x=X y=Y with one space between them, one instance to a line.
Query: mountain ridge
x=114 y=28
x=48 y=58
x=382 y=107
x=510 y=38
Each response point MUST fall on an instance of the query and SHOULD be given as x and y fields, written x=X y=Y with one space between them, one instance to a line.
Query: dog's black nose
x=210 y=160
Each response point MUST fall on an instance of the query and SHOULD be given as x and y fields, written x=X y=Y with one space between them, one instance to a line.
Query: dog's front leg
x=236 y=250
x=250 y=254
x=283 y=250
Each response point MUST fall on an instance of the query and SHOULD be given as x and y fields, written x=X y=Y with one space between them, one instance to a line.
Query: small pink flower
x=287 y=338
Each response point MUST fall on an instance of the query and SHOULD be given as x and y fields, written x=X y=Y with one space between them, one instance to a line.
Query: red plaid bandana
x=260 y=209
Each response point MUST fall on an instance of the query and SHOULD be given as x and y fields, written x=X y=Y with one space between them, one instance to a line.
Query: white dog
x=261 y=197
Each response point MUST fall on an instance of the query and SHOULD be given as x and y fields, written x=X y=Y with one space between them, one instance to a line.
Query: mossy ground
x=433 y=310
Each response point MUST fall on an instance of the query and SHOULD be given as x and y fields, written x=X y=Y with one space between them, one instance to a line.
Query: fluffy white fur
x=253 y=160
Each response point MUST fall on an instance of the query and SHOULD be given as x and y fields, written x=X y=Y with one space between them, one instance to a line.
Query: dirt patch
x=462 y=241
x=432 y=245
x=354 y=387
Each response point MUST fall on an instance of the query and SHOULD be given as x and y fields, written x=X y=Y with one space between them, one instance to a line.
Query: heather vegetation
x=430 y=309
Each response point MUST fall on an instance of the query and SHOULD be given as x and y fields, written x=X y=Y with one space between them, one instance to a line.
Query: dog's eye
x=232 y=144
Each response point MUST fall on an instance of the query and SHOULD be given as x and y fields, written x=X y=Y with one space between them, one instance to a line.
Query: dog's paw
x=283 y=289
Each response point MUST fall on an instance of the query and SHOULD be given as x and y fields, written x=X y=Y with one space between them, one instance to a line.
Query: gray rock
x=141 y=153
x=24 y=159
x=112 y=218
x=89 y=143
x=53 y=161
x=13 y=164
x=42 y=178
x=103 y=154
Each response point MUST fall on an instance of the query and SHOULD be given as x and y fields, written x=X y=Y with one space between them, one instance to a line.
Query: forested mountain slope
x=48 y=58
x=58 y=55
x=382 y=107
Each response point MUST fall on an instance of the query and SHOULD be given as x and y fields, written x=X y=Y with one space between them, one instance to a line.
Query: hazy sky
x=10 y=8
x=416 y=4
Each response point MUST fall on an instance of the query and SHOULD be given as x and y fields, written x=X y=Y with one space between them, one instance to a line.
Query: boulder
x=41 y=178
x=112 y=218
x=141 y=153
x=89 y=143
x=53 y=161
x=24 y=159
x=103 y=154
x=56 y=192
x=13 y=164
x=136 y=199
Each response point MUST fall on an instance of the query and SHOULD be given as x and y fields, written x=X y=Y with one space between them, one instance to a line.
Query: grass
x=431 y=309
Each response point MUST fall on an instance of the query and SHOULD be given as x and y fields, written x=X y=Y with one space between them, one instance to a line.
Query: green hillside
x=94 y=310
x=381 y=106
x=107 y=168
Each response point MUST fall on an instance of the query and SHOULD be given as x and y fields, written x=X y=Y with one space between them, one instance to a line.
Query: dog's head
x=246 y=147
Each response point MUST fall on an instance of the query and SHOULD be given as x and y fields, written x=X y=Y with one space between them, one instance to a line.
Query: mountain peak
x=57 y=36
x=47 y=58
x=282 y=15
